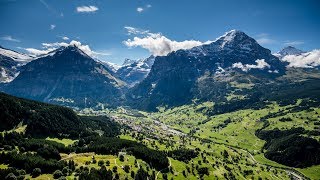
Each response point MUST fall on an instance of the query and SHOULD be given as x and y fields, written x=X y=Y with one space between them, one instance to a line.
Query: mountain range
x=132 y=72
x=234 y=67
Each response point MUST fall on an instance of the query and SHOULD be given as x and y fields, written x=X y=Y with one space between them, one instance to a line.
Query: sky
x=112 y=30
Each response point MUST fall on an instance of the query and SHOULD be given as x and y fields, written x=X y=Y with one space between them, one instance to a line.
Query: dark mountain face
x=66 y=76
x=178 y=78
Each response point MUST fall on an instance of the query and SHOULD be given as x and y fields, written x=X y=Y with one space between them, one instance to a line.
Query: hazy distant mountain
x=183 y=75
x=67 y=76
x=128 y=61
x=10 y=63
x=299 y=59
x=289 y=50
x=132 y=72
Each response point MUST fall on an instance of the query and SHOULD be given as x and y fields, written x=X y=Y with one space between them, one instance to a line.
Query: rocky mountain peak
x=290 y=50
x=233 y=40
x=128 y=61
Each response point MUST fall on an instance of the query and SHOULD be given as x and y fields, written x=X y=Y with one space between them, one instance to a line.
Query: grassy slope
x=236 y=137
x=240 y=133
x=63 y=141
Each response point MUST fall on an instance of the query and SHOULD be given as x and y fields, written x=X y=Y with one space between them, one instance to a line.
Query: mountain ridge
x=203 y=72
x=174 y=79
x=66 y=74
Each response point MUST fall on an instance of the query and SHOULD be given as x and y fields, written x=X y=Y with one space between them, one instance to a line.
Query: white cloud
x=10 y=38
x=135 y=31
x=47 y=47
x=65 y=38
x=293 y=43
x=156 y=43
x=140 y=9
x=261 y=64
x=87 y=9
x=304 y=60
x=54 y=45
x=264 y=39
x=52 y=26
x=38 y=52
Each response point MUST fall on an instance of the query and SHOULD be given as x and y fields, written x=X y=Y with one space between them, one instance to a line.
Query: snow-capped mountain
x=182 y=75
x=289 y=50
x=16 y=56
x=10 y=63
x=66 y=76
x=128 y=61
x=111 y=66
x=132 y=72
x=297 y=58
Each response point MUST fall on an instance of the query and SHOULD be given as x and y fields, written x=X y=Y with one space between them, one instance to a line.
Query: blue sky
x=105 y=25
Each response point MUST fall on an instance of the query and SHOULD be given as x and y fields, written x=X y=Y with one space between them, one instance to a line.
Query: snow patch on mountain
x=128 y=61
x=288 y=51
x=6 y=76
x=230 y=41
x=19 y=57
x=261 y=64
x=112 y=66
x=228 y=37
x=274 y=71
x=134 y=71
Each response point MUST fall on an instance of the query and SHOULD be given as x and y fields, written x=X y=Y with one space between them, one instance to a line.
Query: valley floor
x=226 y=145
x=190 y=127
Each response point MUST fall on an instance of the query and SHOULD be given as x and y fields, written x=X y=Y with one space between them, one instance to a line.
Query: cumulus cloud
x=261 y=64
x=141 y=9
x=10 y=38
x=48 y=47
x=156 y=43
x=65 y=38
x=304 y=60
x=52 y=26
x=87 y=9
x=38 y=52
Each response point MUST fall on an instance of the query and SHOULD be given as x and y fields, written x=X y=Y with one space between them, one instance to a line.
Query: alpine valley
x=226 y=109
